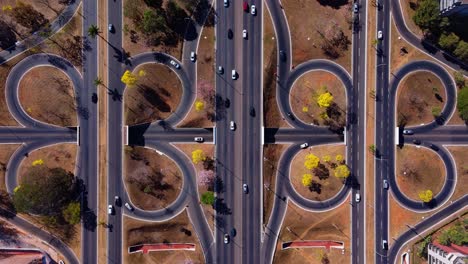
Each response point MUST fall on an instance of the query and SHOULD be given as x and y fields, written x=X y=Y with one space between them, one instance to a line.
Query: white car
x=358 y=197
x=304 y=145
x=175 y=64
x=110 y=209
x=253 y=10
x=129 y=207
x=193 y=56
x=226 y=3
x=408 y=132
x=234 y=74
x=380 y=35
x=232 y=125
x=384 y=244
x=355 y=8
x=226 y=239
x=245 y=188
x=111 y=28
x=198 y=139
x=244 y=33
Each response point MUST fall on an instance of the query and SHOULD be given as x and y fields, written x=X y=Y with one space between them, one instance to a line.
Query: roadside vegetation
x=153 y=181
x=58 y=208
x=449 y=33
x=462 y=99
x=320 y=29
x=153 y=93
x=18 y=21
x=322 y=174
x=162 y=25
x=420 y=173
x=319 y=98
x=420 y=99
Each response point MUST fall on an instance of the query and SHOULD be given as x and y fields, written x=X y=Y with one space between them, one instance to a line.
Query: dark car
x=417 y=142
x=227 y=103
x=230 y=34
x=252 y=111
x=290 y=116
x=282 y=55
x=233 y=232
x=434 y=147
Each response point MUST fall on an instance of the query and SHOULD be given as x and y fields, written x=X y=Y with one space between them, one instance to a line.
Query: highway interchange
x=255 y=241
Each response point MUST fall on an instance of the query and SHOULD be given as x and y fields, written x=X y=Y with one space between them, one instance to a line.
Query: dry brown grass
x=271 y=156
x=138 y=232
x=155 y=96
x=144 y=167
x=303 y=225
x=424 y=171
x=330 y=186
x=400 y=218
x=56 y=156
x=272 y=116
x=138 y=47
x=370 y=136
x=416 y=98
x=306 y=20
x=208 y=149
x=461 y=162
x=306 y=90
x=205 y=77
x=47 y=95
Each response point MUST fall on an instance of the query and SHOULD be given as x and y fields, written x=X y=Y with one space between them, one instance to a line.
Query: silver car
x=175 y=64
x=129 y=207
x=110 y=209
x=304 y=145
x=232 y=125
x=198 y=139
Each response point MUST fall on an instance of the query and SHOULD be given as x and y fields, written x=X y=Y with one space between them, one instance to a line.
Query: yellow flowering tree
x=7 y=8
x=426 y=196
x=197 y=156
x=305 y=109
x=326 y=158
x=325 y=99
x=129 y=78
x=342 y=171
x=307 y=179
x=38 y=162
x=339 y=158
x=311 y=161
x=199 y=105
x=141 y=73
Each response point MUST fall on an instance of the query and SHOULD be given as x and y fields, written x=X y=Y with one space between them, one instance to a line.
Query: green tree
x=93 y=31
x=97 y=81
x=422 y=252
x=175 y=18
x=456 y=234
x=30 y=197
x=208 y=198
x=72 y=213
x=449 y=42
x=153 y=21
x=436 y=111
x=459 y=79
x=372 y=148
x=462 y=103
x=462 y=51
x=427 y=16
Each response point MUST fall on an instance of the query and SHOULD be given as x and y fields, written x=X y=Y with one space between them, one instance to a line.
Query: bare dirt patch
x=205 y=81
x=420 y=98
x=308 y=88
x=208 y=150
x=302 y=225
x=177 y=230
x=419 y=169
x=325 y=185
x=461 y=162
x=153 y=181
x=310 y=22
x=271 y=114
x=47 y=95
x=155 y=96
x=271 y=156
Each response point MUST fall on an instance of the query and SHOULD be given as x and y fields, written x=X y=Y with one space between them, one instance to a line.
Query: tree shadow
x=336 y=4
x=220 y=207
x=7 y=36
x=218 y=185
x=155 y=99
